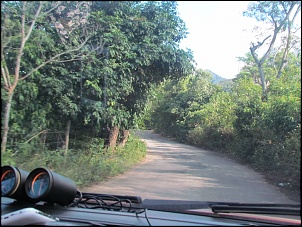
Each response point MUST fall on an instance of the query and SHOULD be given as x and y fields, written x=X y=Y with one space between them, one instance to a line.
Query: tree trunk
x=67 y=136
x=126 y=134
x=263 y=83
x=262 y=77
x=6 y=121
x=113 y=134
x=285 y=53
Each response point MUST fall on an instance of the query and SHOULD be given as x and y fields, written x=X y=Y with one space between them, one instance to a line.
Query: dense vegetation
x=74 y=79
x=70 y=94
x=84 y=166
x=265 y=135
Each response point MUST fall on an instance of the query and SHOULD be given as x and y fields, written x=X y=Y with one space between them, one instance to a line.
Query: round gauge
x=39 y=185
x=8 y=181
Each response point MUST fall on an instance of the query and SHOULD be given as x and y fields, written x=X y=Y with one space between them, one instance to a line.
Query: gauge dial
x=8 y=181
x=39 y=185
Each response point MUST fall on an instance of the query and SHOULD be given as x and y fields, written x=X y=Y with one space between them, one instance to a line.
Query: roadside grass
x=85 y=166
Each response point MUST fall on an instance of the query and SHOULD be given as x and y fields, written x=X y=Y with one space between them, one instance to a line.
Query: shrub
x=86 y=166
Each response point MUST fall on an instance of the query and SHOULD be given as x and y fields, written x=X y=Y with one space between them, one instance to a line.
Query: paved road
x=176 y=171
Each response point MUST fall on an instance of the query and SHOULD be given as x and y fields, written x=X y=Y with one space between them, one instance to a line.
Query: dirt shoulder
x=292 y=193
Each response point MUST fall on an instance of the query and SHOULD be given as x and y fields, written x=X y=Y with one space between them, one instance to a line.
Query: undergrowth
x=85 y=166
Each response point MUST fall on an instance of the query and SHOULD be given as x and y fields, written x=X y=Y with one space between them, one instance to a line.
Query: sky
x=216 y=34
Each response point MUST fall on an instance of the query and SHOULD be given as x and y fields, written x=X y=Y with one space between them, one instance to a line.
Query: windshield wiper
x=222 y=207
x=281 y=209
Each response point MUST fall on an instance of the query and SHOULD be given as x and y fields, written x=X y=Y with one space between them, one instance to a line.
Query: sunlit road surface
x=176 y=171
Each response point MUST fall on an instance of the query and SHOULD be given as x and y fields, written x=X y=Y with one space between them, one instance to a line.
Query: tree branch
x=52 y=59
x=4 y=31
x=35 y=136
x=282 y=64
x=297 y=30
x=4 y=76
x=73 y=59
x=287 y=47
x=32 y=23
x=51 y=9
x=23 y=41
x=276 y=31
x=259 y=44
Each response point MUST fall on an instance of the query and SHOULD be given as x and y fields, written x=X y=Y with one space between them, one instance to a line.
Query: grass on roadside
x=87 y=166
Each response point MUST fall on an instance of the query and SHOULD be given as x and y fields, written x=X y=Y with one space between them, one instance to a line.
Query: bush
x=211 y=138
x=281 y=158
x=7 y=158
x=86 y=166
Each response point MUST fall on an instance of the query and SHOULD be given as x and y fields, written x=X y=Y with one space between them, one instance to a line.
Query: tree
x=172 y=113
x=280 y=16
x=143 y=44
x=22 y=21
x=125 y=48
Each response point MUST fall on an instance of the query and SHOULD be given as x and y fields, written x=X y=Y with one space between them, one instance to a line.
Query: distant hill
x=226 y=84
x=216 y=78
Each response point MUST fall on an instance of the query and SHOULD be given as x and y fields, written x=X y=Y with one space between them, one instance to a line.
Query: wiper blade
x=283 y=209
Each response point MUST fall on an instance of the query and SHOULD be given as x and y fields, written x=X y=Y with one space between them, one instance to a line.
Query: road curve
x=177 y=171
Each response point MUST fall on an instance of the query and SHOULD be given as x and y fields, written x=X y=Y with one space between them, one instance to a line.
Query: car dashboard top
x=20 y=213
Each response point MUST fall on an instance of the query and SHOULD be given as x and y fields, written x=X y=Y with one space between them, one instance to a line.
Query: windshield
x=165 y=100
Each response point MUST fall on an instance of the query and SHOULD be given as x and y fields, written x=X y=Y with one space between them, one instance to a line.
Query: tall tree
x=132 y=45
x=143 y=48
x=22 y=21
x=279 y=16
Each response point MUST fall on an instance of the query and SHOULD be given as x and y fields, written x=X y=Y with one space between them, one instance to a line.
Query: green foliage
x=282 y=157
x=283 y=114
x=138 y=47
x=266 y=10
x=265 y=135
x=7 y=158
x=213 y=122
x=279 y=16
x=248 y=99
x=87 y=166
x=176 y=100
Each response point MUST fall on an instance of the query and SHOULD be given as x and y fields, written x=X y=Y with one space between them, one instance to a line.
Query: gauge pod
x=45 y=185
x=13 y=182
